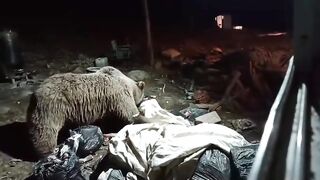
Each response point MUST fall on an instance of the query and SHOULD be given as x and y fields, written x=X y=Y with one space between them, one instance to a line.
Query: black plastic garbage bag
x=90 y=141
x=213 y=165
x=63 y=163
x=243 y=158
x=53 y=168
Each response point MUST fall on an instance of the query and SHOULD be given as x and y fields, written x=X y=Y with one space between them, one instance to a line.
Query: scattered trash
x=243 y=124
x=171 y=53
x=211 y=117
x=192 y=113
x=101 y=62
x=189 y=95
x=189 y=92
x=138 y=75
x=213 y=164
x=19 y=78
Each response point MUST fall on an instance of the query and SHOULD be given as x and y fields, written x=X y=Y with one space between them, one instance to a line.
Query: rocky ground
x=166 y=85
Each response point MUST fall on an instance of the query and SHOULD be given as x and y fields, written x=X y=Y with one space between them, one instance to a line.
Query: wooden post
x=148 y=29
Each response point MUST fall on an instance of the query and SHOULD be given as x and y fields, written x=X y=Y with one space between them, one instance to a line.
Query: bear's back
x=78 y=85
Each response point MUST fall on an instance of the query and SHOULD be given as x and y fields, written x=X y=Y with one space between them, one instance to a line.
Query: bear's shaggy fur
x=80 y=99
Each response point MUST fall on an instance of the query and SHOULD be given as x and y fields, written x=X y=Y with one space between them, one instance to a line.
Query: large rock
x=138 y=75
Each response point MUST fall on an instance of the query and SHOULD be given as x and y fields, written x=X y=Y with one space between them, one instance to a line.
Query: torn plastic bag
x=63 y=163
x=115 y=174
x=111 y=174
x=90 y=141
x=54 y=168
x=243 y=158
x=213 y=164
x=193 y=112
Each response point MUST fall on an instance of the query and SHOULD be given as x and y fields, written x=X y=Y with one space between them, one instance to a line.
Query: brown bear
x=80 y=99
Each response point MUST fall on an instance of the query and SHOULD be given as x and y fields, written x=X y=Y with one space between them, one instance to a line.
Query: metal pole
x=305 y=34
x=148 y=29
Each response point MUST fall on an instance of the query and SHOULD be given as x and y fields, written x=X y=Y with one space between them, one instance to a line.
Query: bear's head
x=138 y=87
x=138 y=93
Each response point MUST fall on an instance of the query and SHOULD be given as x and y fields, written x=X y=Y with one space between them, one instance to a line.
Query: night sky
x=200 y=13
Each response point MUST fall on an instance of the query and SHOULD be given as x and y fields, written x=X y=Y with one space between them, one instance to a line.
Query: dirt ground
x=55 y=53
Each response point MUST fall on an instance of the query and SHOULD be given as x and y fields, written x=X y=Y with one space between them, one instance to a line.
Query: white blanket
x=154 y=113
x=168 y=148
x=168 y=151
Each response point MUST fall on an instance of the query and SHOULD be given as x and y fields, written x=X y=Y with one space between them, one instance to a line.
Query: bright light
x=238 y=27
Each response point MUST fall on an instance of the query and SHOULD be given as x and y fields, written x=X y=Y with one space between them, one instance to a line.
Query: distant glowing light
x=238 y=27
x=273 y=34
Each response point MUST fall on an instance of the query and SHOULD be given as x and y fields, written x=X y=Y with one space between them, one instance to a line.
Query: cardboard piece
x=211 y=117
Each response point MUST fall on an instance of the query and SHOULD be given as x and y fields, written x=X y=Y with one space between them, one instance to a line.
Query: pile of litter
x=168 y=148
x=171 y=151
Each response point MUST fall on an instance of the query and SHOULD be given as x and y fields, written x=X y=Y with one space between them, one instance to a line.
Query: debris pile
x=64 y=162
x=189 y=142
x=234 y=76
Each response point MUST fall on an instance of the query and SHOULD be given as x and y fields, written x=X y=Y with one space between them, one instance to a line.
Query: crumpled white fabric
x=168 y=151
x=154 y=113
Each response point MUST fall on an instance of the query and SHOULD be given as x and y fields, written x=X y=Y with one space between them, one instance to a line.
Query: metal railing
x=268 y=144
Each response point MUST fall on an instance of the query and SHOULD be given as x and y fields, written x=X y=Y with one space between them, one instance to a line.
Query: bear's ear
x=140 y=84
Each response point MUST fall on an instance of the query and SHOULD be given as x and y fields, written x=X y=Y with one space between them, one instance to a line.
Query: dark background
x=188 y=14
